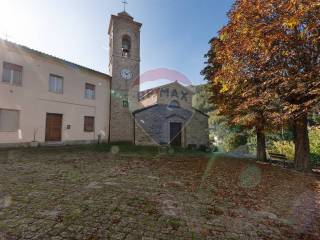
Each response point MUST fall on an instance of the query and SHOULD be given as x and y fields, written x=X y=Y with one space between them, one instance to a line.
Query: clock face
x=126 y=74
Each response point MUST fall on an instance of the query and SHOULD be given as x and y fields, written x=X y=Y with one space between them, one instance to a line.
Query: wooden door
x=53 y=127
x=175 y=134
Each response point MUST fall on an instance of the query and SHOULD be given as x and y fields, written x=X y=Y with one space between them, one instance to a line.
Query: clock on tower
x=126 y=74
x=124 y=67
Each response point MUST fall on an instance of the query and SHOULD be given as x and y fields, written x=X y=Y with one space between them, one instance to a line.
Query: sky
x=174 y=35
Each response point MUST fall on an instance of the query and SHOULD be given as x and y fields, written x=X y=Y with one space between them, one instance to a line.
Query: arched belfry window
x=126 y=46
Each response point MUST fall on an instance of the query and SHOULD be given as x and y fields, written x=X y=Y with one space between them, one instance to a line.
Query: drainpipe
x=134 y=129
x=109 y=137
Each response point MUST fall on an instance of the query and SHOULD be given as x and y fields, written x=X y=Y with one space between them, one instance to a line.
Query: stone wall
x=142 y=138
x=152 y=126
x=155 y=121
x=197 y=130
x=121 y=122
x=175 y=92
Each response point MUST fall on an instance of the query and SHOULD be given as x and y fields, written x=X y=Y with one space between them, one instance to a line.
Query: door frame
x=57 y=114
x=180 y=133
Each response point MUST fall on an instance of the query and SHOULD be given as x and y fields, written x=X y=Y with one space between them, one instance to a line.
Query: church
x=47 y=100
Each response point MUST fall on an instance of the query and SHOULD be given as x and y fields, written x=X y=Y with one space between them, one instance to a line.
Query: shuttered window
x=12 y=74
x=9 y=120
x=90 y=91
x=88 y=124
x=55 y=84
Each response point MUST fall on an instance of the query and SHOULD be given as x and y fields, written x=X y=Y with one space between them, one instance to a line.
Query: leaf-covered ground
x=88 y=194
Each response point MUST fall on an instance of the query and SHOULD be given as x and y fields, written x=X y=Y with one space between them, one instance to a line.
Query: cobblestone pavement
x=76 y=194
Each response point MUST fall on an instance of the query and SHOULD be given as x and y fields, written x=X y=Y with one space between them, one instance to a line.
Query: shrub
x=234 y=141
x=283 y=147
x=214 y=148
x=314 y=137
x=287 y=147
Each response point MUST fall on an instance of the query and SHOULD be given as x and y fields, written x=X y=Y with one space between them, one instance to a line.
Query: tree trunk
x=302 y=147
x=261 y=145
x=294 y=132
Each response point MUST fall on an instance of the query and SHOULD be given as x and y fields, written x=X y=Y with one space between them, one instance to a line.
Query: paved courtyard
x=76 y=193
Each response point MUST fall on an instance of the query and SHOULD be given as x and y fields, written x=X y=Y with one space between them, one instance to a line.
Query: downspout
x=134 y=129
x=109 y=135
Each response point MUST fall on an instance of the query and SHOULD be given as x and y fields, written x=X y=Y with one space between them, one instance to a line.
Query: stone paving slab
x=76 y=194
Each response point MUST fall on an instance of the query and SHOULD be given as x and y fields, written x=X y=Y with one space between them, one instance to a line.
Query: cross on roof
x=124 y=4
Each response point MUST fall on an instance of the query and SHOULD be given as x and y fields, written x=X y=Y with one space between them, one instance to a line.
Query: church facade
x=44 y=99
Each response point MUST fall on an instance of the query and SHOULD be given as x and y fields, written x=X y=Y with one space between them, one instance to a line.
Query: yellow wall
x=33 y=99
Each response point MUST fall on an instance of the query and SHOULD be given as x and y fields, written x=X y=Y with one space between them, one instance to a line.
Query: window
x=88 y=124
x=9 y=120
x=125 y=103
x=12 y=74
x=55 y=84
x=126 y=46
x=90 y=91
x=174 y=104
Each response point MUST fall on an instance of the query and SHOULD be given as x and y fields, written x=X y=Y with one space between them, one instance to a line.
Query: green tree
x=201 y=98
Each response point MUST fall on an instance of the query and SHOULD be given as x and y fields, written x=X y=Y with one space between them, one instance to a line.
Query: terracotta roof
x=60 y=60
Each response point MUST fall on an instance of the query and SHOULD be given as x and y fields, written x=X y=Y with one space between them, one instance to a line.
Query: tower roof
x=125 y=14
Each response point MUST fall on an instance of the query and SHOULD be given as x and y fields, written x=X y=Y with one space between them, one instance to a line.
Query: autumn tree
x=285 y=34
x=268 y=57
x=291 y=42
x=238 y=92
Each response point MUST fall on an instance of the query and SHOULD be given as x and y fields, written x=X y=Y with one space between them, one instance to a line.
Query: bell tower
x=124 y=67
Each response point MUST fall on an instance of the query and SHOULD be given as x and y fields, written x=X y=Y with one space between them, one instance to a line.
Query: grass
x=123 y=148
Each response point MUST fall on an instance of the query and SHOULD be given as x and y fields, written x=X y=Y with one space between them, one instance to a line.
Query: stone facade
x=197 y=129
x=142 y=138
x=155 y=122
x=166 y=94
x=152 y=126
x=124 y=92
x=171 y=103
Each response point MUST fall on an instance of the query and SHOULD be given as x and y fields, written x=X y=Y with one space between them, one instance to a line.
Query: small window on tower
x=126 y=46
x=125 y=103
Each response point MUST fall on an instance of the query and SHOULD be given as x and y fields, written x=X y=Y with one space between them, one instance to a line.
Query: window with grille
x=12 y=74
x=55 y=84
x=9 y=120
x=88 y=124
x=90 y=91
